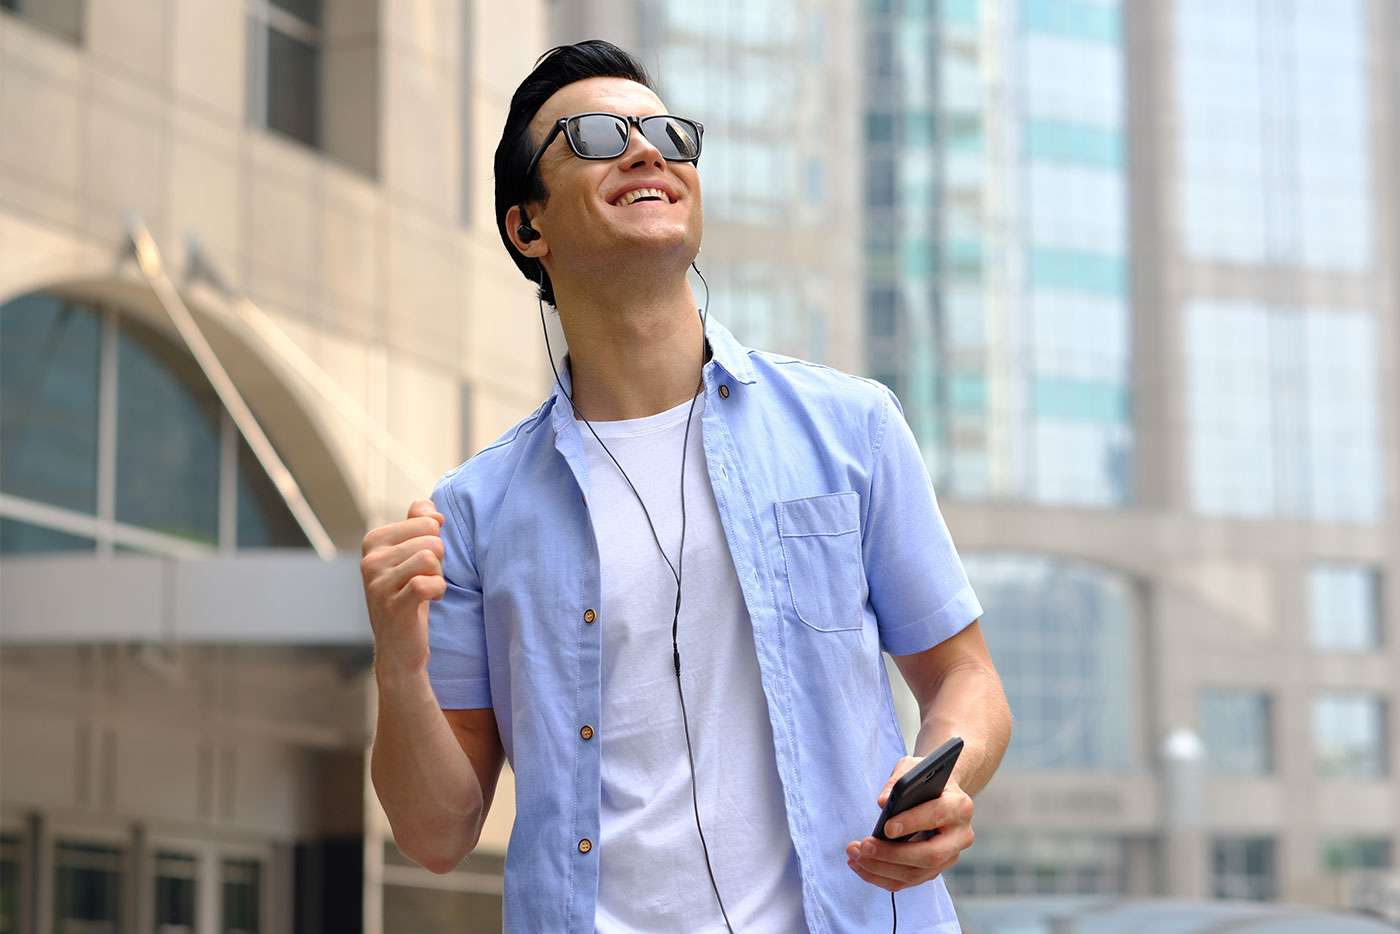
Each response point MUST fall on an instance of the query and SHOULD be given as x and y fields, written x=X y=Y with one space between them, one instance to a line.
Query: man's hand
x=402 y=568
x=896 y=866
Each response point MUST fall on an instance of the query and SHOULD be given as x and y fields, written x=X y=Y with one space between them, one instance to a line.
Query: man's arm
x=959 y=694
x=435 y=771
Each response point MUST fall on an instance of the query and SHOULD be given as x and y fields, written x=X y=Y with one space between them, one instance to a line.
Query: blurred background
x=1133 y=269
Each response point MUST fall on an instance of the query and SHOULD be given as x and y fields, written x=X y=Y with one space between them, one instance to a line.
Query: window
x=11 y=874
x=879 y=183
x=1078 y=19
x=64 y=17
x=1342 y=854
x=242 y=896
x=1244 y=867
x=1284 y=409
x=1078 y=271
x=48 y=402
x=87 y=881
x=284 y=69
x=178 y=477
x=1236 y=730
x=167 y=438
x=176 y=884
x=1274 y=145
x=1043 y=864
x=1063 y=645
x=1349 y=735
x=883 y=305
x=1344 y=607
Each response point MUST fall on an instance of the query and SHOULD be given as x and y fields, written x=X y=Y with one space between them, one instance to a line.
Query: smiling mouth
x=642 y=194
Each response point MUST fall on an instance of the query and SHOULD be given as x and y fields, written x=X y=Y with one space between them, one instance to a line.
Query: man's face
x=592 y=208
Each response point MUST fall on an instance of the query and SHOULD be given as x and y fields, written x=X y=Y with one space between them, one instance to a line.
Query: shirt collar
x=726 y=354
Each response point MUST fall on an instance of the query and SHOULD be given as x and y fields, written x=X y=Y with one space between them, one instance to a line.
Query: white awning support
x=148 y=258
x=300 y=362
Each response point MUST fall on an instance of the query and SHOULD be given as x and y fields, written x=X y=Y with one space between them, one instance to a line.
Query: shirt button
x=724 y=392
x=586 y=732
x=585 y=845
x=589 y=616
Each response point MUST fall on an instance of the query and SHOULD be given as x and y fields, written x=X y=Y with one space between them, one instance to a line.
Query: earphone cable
x=678 y=567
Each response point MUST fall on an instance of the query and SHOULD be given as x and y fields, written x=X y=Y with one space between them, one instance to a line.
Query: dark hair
x=565 y=64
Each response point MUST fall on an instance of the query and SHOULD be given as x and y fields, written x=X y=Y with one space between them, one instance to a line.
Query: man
x=663 y=595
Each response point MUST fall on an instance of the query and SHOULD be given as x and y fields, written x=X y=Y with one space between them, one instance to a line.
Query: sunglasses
x=605 y=136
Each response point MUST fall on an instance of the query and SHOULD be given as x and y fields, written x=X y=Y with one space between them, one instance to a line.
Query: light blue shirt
x=840 y=551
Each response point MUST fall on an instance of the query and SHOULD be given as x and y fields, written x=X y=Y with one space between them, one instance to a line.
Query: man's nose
x=640 y=150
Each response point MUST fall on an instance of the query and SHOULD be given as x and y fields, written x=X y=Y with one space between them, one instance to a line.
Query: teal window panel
x=880 y=259
x=917 y=259
x=918 y=9
x=1079 y=400
x=1057 y=141
x=968 y=392
x=1076 y=19
x=1078 y=271
x=964 y=256
x=960 y=12
x=920 y=130
x=965 y=133
x=879 y=127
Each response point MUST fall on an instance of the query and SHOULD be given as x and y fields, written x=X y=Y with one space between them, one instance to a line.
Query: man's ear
x=533 y=246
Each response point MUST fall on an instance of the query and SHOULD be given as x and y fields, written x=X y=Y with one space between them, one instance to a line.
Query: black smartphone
x=923 y=782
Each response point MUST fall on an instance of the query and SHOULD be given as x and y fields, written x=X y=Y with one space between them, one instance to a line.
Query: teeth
x=639 y=193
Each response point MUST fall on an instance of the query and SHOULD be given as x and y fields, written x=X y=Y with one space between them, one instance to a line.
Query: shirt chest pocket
x=820 y=537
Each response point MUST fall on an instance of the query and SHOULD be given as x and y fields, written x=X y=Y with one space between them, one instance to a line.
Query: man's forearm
x=425 y=781
x=968 y=702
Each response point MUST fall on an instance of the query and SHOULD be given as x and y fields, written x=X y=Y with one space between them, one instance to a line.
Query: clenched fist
x=402 y=569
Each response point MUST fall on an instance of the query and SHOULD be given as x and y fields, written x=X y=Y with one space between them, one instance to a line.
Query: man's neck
x=632 y=355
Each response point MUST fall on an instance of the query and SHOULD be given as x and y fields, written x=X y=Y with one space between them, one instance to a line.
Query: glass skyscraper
x=997 y=271
x=1119 y=262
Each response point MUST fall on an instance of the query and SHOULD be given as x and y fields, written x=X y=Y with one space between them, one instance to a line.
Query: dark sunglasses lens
x=598 y=136
x=676 y=139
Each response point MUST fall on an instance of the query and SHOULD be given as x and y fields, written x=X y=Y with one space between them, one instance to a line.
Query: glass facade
x=1274 y=133
x=997 y=257
x=87 y=888
x=754 y=74
x=177 y=879
x=1341 y=854
x=1284 y=411
x=1344 y=611
x=242 y=900
x=1063 y=642
x=167 y=439
x=1349 y=735
x=48 y=402
x=11 y=880
x=173 y=466
x=1003 y=863
x=1236 y=729
x=1244 y=867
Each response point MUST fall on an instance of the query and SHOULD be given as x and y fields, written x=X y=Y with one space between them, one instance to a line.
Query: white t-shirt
x=652 y=875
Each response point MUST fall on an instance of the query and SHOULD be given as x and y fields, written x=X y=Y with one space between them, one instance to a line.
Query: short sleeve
x=918 y=587
x=457 y=662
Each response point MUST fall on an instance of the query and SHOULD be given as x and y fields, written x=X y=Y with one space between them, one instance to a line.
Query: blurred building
x=1126 y=267
x=186 y=688
x=1141 y=299
x=1130 y=268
